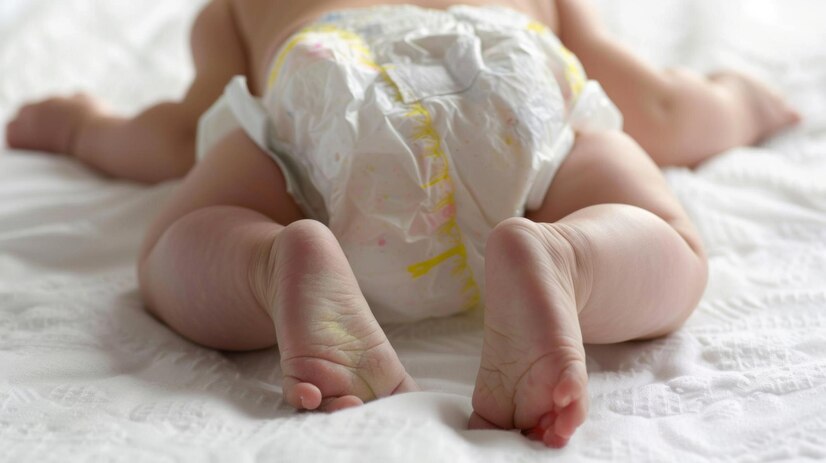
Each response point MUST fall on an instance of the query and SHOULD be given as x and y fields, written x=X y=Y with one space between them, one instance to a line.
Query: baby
x=452 y=156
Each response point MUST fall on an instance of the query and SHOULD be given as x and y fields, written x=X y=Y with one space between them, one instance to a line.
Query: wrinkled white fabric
x=413 y=132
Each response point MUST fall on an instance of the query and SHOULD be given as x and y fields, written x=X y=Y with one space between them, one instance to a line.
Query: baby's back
x=265 y=24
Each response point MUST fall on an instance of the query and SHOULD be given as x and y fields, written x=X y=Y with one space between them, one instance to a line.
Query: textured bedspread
x=85 y=374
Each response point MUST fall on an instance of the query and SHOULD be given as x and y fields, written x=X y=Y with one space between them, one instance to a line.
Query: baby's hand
x=51 y=125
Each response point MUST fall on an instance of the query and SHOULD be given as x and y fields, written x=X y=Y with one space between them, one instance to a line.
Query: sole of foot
x=532 y=375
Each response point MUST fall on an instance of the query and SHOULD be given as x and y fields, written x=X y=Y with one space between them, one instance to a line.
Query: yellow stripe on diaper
x=423 y=268
x=574 y=73
x=426 y=132
x=355 y=42
x=282 y=56
x=444 y=176
x=538 y=27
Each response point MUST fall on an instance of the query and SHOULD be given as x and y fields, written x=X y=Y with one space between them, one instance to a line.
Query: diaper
x=412 y=133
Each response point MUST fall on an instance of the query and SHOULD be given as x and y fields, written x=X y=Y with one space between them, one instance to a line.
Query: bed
x=87 y=375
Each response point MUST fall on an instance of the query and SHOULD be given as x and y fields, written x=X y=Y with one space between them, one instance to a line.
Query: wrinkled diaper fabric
x=412 y=133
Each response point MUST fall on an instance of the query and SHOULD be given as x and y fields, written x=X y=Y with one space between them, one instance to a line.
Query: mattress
x=87 y=375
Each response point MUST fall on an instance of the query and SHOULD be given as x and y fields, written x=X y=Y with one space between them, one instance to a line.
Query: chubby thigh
x=235 y=172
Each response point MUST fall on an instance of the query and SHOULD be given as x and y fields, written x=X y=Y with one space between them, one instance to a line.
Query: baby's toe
x=792 y=115
x=556 y=428
x=571 y=386
x=301 y=395
x=570 y=418
x=554 y=441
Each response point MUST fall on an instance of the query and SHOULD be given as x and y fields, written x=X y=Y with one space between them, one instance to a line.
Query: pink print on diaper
x=318 y=51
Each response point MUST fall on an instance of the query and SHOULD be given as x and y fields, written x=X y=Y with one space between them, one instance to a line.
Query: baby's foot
x=333 y=353
x=768 y=110
x=51 y=125
x=532 y=375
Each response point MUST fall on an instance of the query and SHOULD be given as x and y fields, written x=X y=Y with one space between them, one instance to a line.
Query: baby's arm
x=679 y=117
x=159 y=143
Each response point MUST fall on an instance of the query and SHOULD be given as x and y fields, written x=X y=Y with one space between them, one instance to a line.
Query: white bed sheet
x=85 y=374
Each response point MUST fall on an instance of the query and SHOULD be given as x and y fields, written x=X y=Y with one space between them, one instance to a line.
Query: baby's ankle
x=574 y=245
x=263 y=273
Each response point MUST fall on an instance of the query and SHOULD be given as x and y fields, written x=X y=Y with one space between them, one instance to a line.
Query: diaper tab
x=248 y=111
x=436 y=65
x=236 y=108
x=594 y=111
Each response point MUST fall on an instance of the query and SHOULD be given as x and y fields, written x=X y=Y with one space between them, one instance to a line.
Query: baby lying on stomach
x=358 y=163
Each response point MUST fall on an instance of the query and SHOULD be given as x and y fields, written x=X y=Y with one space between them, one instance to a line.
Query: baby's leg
x=678 y=117
x=159 y=143
x=219 y=269
x=609 y=257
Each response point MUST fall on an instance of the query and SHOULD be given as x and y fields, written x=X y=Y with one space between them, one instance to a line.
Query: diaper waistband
x=378 y=21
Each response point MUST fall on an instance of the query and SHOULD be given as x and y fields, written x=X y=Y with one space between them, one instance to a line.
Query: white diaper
x=411 y=133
